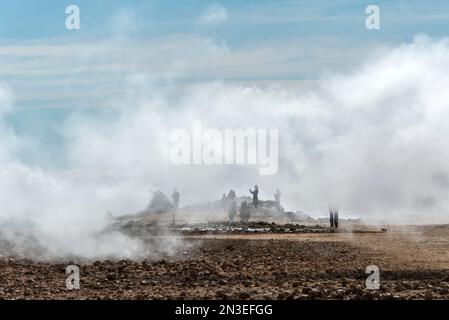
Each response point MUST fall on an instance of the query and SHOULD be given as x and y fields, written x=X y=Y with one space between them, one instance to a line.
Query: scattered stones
x=233 y=269
x=306 y=290
x=244 y=295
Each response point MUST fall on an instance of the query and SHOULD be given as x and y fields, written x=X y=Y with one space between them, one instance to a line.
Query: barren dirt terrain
x=414 y=264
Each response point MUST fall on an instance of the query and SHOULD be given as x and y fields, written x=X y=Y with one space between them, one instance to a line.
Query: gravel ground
x=414 y=265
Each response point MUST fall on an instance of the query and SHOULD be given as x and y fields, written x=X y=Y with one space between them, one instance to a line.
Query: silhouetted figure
x=255 y=194
x=232 y=209
x=333 y=217
x=159 y=203
x=277 y=199
x=244 y=212
x=336 y=218
x=223 y=201
x=231 y=195
x=175 y=196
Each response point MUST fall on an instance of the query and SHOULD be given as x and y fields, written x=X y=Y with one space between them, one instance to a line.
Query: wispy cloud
x=215 y=14
x=124 y=22
x=64 y=74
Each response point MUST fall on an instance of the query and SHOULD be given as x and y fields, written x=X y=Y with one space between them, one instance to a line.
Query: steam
x=374 y=140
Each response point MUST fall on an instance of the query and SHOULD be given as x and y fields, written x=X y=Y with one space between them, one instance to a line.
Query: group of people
x=229 y=202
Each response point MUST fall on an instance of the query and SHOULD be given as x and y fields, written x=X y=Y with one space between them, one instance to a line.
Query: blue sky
x=312 y=27
x=247 y=20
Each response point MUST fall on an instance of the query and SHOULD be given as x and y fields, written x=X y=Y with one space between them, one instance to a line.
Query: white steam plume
x=373 y=140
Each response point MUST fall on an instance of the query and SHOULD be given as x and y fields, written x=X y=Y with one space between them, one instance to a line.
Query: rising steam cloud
x=373 y=140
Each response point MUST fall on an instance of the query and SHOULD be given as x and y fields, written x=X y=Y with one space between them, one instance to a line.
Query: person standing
x=231 y=195
x=336 y=218
x=223 y=201
x=333 y=217
x=232 y=210
x=277 y=199
x=175 y=196
x=244 y=212
x=255 y=194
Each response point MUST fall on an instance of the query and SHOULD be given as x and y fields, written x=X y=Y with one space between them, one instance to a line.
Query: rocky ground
x=414 y=264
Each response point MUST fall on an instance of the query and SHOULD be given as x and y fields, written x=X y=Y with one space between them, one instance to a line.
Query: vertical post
x=331 y=217
x=336 y=218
